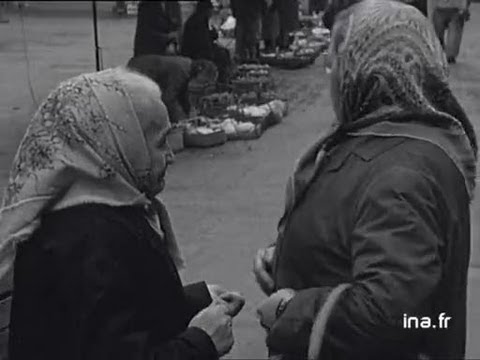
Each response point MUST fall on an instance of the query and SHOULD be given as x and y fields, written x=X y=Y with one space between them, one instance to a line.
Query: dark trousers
x=449 y=25
x=247 y=37
x=221 y=58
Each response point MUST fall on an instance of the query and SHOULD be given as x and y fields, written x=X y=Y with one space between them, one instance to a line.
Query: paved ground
x=226 y=201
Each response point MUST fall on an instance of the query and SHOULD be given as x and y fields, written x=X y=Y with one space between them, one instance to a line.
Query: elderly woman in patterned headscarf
x=90 y=246
x=377 y=221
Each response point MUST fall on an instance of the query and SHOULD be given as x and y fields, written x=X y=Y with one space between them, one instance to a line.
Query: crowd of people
x=376 y=222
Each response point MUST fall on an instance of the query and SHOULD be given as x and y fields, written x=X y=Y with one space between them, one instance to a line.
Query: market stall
x=244 y=112
x=310 y=42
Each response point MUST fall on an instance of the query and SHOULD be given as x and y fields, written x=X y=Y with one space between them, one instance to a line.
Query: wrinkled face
x=156 y=132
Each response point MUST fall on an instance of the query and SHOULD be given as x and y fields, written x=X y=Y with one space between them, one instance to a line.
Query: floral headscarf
x=85 y=144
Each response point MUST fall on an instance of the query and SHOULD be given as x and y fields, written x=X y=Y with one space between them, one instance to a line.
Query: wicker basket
x=205 y=140
x=256 y=134
x=214 y=105
x=195 y=93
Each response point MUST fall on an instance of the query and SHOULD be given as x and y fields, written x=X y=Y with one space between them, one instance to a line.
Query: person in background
x=158 y=26
x=421 y=5
x=248 y=14
x=289 y=20
x=270 y=28
x=3 y=13
x=174 y=75
x=91 y=246
x=316 y=6
x=449 y=17
x=198 y=41
x=376 y=226
x=120 y=8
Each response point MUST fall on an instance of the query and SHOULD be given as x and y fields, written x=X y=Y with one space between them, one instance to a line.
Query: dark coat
x=172 y=74
x=96 y=283
x=288 y=15
x=197 y=41
x=244 y=10
x=390 y=217
x=153 y=26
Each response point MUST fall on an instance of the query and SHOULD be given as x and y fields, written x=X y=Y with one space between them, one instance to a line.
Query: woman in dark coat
x=198 y=41
x=377 y=221
x=92 y=248
x=158 y=25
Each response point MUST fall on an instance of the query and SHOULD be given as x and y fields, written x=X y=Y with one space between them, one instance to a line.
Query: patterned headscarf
x=391 y=79
x=85 y=144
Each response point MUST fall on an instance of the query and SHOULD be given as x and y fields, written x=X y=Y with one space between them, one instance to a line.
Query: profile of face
x=161 y=155
x=153 y=117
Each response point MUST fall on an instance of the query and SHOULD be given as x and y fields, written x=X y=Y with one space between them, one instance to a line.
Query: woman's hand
x=262 y=268
x=218 y=325
x=270 y=309
x=215 y=291
x=233 y=301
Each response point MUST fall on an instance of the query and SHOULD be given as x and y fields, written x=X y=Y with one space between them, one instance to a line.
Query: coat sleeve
x=105 y=286
x=396 y=267
x=198 y=298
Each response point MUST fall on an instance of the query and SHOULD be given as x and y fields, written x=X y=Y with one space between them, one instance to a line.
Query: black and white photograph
x=240 y=179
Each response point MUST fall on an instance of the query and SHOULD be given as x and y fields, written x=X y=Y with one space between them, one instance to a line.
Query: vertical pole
x=430 y=10
x=95 y=34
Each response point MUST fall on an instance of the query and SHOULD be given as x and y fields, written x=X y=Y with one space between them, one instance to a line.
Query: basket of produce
x=215 y=104
x=265 y=115
x=291 y=61
x=201 y=132
x=321 y=33
x=250 y=98
x=238 y=130
x=242 y=84
x=253 y=70
x=254 y=114
x=175 y=138
x=198 y=91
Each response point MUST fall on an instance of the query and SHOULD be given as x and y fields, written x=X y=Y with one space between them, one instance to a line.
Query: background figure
x=270 y=28
x=158 y=27
x=173 y=74
x=248 y=14
x=289 y=20
x=120 y=7
x=198 y=41
x=419 y=4
x=3 y=12
x=316 y=6
x=449 y=18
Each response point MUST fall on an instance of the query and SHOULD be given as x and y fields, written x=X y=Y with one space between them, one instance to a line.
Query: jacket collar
x=365 y=147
